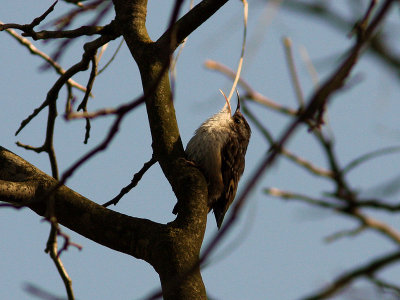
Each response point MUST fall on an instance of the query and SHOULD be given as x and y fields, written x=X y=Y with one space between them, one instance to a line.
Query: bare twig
x=135 y=180
x=124 y=109
x=58 y=34
x=51 y=248
x=291 y=156
x=63 y=22
x=240 y=64
x=33 y=24
x=356 y=162
x=112 y=58
x=309 y=166
x=27 y=44
x=360 y=26
x=287 y=42
x=251 y=93
x=309 y=65
x=348 y=210
x=345 y=233
x=379 y=46
x=378 y=226
x=347 y=278
x=89 y=86
x=174 y=60
x=378 y=204
x=48 y=143
x=300 y=197
x=386 y=286
x=91 y=115
x=260 y=126
x=103 y=145
x=343 y=191
x=67 y=242
x=315 y=106
x=337 y=79
x=52 y=95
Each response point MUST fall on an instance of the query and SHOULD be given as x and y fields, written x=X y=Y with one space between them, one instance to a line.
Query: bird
x=218 y=148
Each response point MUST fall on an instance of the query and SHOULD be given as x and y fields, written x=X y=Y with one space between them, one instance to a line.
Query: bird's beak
x=238 y=103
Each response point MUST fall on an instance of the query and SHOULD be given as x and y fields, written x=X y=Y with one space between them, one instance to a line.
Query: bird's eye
x=238 y=121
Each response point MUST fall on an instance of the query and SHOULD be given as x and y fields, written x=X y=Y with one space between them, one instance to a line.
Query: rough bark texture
x=172 y=249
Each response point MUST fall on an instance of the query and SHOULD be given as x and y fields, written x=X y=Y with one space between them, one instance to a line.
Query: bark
x=172 y=249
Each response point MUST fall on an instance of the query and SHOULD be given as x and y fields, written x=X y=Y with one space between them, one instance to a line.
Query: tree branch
x=153 y=60
x=23 y=184
x=190 y=22
x=16 y=192
x=58 y=34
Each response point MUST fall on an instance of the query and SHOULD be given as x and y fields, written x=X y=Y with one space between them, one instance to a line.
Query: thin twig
x=174 y=60
x=135 y=180
x=287 y=42
x=239 y=68
x=52 y=95
x=378 y=204
x=91 y=115
x=33 y=24
x=309 y=65
x=112 y=58
x=63 y=22
x=51 y=248
x=378 y=226
x=32 y=49
x=347 y=278
x=345 y=233
x=68 y=34
x=348 y=210
x=251 y=93
x=89 y=86
x=309 y=166
x=122 y=110
x=360 y=26
x=316 y=104
x=343 y=191
x=385 y=286
x=373 y=154
x=47 y=146
x=260 y=126
x=379 y=45
x=286 y=195
x=291 y=156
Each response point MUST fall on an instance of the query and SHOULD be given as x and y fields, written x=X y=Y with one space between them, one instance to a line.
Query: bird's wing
x=232 y=167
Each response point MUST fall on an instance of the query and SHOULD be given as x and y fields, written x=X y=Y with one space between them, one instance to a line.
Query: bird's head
x=238 y=122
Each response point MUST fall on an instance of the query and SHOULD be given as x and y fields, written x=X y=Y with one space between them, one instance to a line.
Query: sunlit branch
x=90 y=50
x=250 y=92
x=32 y=49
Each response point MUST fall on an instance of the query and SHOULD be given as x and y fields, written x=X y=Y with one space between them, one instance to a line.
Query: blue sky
x=276 y=250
